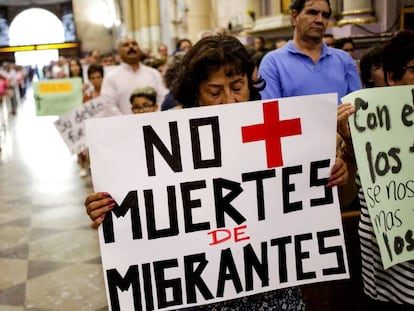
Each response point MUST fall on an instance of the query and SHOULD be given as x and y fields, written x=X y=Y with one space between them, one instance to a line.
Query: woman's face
x=74 y=68
x=407 y=78
x=220 y=89
x=96 y=79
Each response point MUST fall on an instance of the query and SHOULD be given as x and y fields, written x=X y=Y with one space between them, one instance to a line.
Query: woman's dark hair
x=372 y=57
x=298 y=5
x=95 y=68
x=77 y=60
x=339 y=43
x=178 y=45
x=207 y=55
x=173 y=68
x=397 y=53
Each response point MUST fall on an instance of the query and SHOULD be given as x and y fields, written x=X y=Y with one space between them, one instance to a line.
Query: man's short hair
x=298 y=5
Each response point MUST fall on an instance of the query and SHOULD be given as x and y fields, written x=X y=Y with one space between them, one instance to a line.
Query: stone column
x=129 y=16
x=357 y=12
x=198 y=18
x=143 y=18
x=154 y=25
x=136 y=20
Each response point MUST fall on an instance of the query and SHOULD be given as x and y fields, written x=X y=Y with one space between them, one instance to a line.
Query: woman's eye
x=237 y=87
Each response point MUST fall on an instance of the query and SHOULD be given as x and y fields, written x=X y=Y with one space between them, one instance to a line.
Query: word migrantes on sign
x=219 y=202
x=382 y=131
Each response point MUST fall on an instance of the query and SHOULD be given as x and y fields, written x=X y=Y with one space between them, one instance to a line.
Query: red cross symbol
x=271 y=131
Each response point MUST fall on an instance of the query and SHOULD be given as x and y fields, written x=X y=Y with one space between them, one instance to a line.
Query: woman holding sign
x=392 y=288
x=218 y=70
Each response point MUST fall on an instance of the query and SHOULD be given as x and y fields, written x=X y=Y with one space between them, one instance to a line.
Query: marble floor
x=49 y=256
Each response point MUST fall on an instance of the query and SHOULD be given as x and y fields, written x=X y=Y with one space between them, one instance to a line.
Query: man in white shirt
x=120 y=82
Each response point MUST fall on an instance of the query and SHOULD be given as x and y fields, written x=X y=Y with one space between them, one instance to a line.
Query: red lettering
x=238 y=234
x=216 y=240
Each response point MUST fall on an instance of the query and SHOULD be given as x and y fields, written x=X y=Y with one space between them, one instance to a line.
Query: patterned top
x=287 y=299
x=395 y=284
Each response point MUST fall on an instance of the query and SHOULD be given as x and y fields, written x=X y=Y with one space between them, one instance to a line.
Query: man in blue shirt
x=306 y=65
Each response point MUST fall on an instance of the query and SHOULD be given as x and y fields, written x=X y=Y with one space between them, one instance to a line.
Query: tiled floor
x=49 y=256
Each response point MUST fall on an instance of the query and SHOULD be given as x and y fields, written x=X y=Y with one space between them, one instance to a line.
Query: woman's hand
x=339 y=173
x=344 y=111
x=97 y=204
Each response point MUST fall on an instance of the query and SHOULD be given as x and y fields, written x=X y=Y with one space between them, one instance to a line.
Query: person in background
x=169 y=76
x=120 y=82
x=76 y=71
x=108 y=59
x=279 y=43
x=4 y=84
x=317 y=68
x=95 y=77
x=370 y=67
x=220 y=31
x=259 y=44
x=163 y=51
x=391 y=289
x=306 y=65
x=347 y=45
x=183 y=45
x=329 y=40
x=94 y=57
x=60 y=68
x=143 y=99
x=75 y=68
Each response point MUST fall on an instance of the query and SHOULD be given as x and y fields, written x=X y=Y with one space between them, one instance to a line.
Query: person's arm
x=268 y=71
x=352 y=76
x=347 y=191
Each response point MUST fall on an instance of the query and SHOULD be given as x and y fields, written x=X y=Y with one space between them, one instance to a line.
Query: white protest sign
x=217 y=202
x=71 y=126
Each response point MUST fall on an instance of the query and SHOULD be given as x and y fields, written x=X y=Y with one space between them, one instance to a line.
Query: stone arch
x=36 y=26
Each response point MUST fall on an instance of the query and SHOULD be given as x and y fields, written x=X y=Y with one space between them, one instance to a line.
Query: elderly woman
x=216 y=71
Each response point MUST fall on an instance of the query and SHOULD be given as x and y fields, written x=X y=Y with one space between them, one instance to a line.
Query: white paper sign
x=217 y=202
x=71 y=125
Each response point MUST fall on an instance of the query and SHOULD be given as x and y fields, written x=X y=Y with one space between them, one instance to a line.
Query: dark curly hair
x=397 y=53
x=372 y=57
x=207 y=55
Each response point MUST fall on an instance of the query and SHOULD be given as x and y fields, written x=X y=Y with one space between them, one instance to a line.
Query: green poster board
x=382 y=130
x=57 y=96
